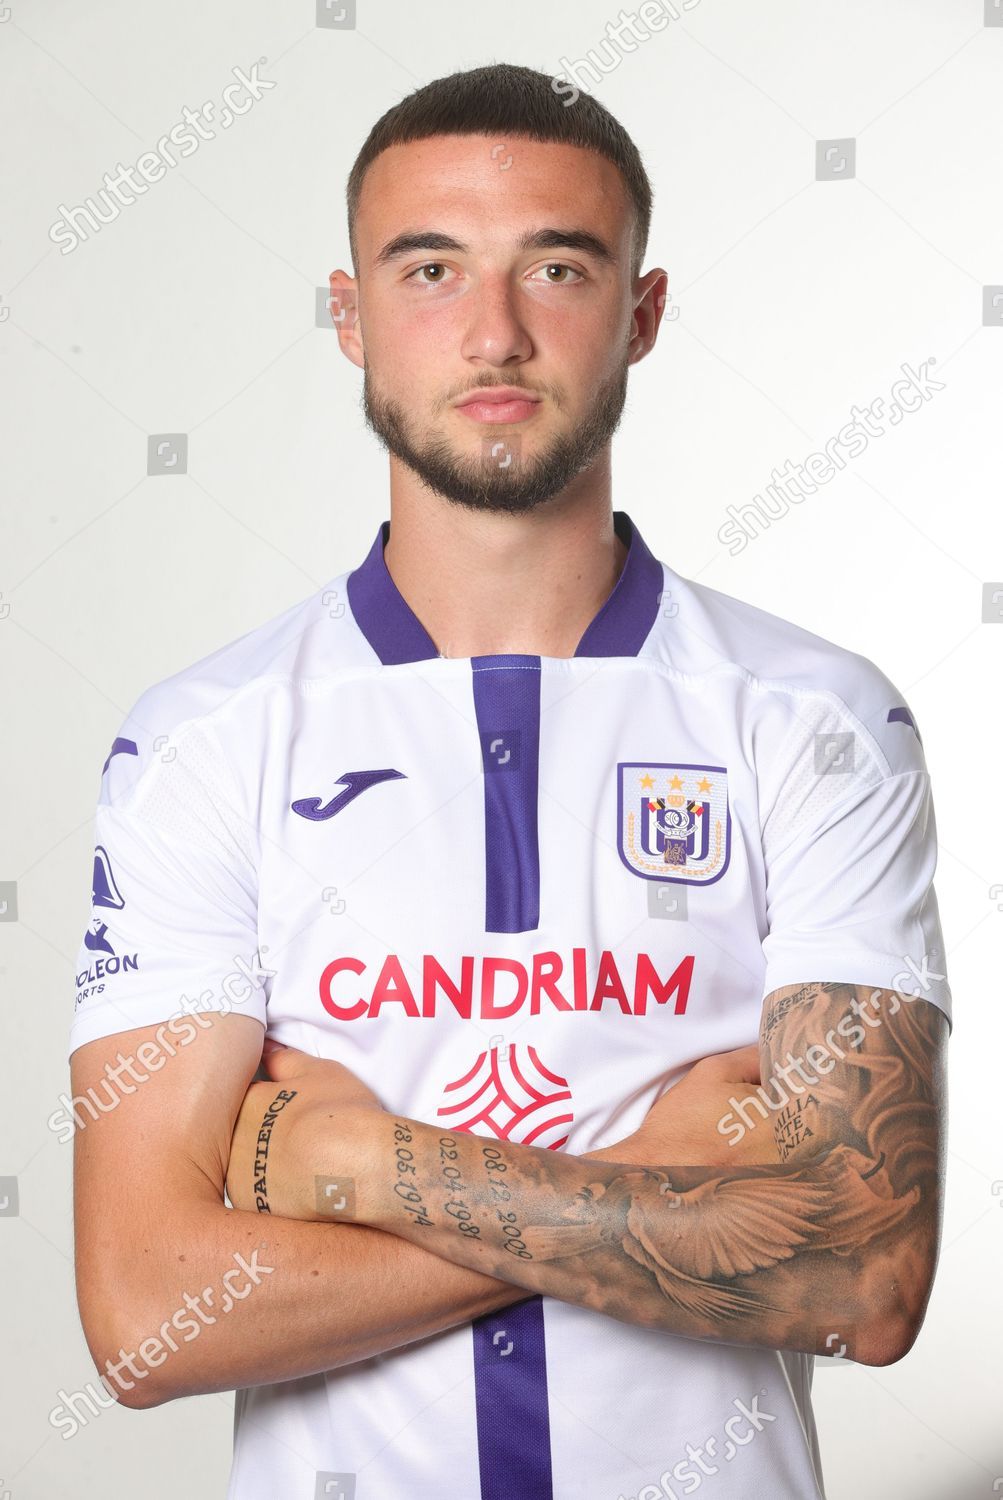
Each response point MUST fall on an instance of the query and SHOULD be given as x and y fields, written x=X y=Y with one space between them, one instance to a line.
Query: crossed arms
x=811 y=1226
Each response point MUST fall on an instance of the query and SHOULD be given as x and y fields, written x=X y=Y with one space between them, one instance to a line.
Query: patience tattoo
x=278 y=1104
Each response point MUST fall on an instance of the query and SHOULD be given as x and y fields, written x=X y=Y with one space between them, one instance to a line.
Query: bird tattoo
x=696 y=1242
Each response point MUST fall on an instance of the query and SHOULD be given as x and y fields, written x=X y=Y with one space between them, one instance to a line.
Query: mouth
x=499 y=404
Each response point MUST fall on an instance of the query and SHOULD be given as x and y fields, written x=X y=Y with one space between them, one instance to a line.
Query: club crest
x=673 y=821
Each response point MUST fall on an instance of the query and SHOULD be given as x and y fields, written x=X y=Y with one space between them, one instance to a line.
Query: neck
x=486 y=584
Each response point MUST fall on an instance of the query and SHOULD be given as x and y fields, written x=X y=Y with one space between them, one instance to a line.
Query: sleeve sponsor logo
x=105 y=897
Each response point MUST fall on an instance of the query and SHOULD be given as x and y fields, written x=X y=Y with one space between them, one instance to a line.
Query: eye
x=557 y=265
x=429 y=264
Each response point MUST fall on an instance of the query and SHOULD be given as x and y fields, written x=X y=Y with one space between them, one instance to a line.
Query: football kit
x=519 y=896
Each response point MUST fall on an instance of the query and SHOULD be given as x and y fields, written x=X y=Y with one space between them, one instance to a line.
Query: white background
x=194 y=312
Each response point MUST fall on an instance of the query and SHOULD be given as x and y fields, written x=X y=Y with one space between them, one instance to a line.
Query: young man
x=518 y=840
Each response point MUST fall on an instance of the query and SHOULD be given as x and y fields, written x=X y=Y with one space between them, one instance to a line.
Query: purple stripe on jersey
x=619 y=629
x=507 y=705
x=513 y=1422
x=510 y=1363
x=382 y=613
x=120 y=746
x=903 y=716
x=622 y=625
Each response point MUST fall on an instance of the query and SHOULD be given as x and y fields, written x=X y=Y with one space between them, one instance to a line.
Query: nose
x=495 y=331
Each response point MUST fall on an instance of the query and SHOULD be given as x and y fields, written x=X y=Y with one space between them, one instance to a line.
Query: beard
x=503 y=479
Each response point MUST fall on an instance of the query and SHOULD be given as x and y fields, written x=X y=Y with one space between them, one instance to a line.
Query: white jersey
x=520 y=896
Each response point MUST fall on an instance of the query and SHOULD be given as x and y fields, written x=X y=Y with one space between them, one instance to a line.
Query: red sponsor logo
x=513 y=1094
x=493 y=989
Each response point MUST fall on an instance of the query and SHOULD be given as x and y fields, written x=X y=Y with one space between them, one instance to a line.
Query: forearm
x=302 y=1298
x=741 y=1256
x=867 y=1067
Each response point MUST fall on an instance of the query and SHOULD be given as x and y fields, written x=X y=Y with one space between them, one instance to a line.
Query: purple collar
x=619 y=629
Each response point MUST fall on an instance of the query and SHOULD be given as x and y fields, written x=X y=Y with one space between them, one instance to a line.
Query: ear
x=343 y=303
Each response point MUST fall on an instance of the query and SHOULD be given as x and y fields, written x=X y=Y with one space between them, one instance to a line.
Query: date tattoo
x=463 y=1201
x=512 y=1241
x=406 y=1183
x=452 y=1176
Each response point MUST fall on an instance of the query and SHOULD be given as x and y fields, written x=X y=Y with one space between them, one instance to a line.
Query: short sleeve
x=850 y=896
x=173 y=925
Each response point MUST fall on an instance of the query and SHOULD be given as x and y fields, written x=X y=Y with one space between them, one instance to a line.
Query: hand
x=325 y=1093
x=681 y=1130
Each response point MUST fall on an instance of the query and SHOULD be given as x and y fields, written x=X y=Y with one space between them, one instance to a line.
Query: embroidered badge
x=674 y=822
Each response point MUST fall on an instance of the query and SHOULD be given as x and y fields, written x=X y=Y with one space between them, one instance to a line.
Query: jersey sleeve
x=173 y=925
x=850 y=862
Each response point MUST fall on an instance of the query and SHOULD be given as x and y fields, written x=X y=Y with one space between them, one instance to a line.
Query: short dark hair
x=507 y=100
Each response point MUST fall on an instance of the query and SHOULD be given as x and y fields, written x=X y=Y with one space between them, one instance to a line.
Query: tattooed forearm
x=452 y=1178
x=796 y=1124
x=871 y=1073
x=406 y=1175
x=700 y=1251
x=279 y=1103
x=454 y=1195
x=838 y=1236
x=495 y=1166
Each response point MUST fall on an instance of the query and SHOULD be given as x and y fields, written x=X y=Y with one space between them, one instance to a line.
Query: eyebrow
x=535 y=239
